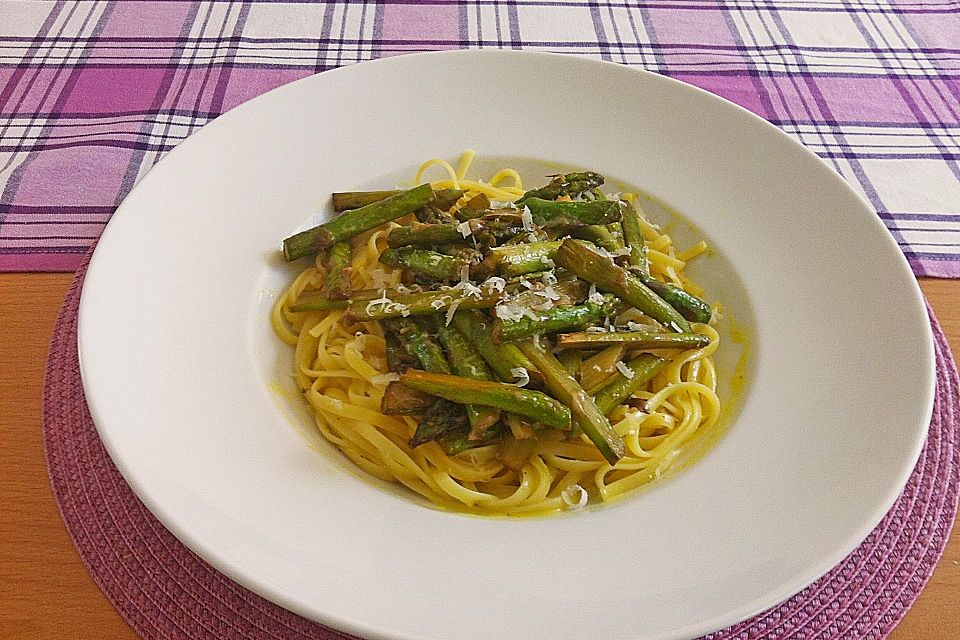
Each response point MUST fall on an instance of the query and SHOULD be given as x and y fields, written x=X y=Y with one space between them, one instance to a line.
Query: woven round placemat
x=163 y=590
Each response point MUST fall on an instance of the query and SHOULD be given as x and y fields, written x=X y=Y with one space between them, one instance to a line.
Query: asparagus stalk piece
x=571 y=359
x=633 y=238
x=598 y=369
x=585 y=413
x=519 y=259
x=523 y=402
x=417 y=337
x=418 y=304
x=579 y=258
x=442 y=420
x=429 y=263
x=548 y=213
x=489 y=229
x=401 y=400
x=502 y=358
x=317 y=300
x=633 y=340
x=599 y=235
x=467 y=363
x=344 y=200
x=398 y=358
x=474 y=207
x=457 y=440
x=552 y=320
x=355 y=222
x=644 y=367
x=337 y=285
x=569 y=184
x=688 y=305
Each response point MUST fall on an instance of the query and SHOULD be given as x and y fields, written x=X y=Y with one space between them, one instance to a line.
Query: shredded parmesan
x=521 y=376
x=508 y=312
x=548 y=278
x=594 y=295
x=452 y=310
x=384 y=378
x=495 y=283
x=464 y=228
x=527 y=218
x=625 y=370
x=575 y=497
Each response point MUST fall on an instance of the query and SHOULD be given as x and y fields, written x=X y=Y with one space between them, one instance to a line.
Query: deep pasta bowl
x=189 y=389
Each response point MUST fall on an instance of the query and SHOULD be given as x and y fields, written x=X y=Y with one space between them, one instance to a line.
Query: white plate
x=181 y=371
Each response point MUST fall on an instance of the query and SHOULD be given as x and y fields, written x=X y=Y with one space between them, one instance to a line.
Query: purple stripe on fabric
x=42 y=259
x=934 y=268
x=933 y=217
x=223 y=78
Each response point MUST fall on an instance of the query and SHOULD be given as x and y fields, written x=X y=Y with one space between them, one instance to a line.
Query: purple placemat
x=92 y=94
x=165 y=591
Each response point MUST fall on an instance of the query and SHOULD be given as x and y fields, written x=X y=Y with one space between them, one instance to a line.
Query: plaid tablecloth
x=94 y=93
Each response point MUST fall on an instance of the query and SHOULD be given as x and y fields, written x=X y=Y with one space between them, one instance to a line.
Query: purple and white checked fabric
x=93 y=93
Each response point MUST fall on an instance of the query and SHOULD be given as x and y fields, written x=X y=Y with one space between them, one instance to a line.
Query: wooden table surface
x=45 y=590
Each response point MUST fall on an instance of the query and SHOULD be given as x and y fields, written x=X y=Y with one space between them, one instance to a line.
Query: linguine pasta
x=341 y=369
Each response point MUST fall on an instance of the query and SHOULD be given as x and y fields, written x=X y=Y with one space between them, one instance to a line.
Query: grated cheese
x=508 y=312
x=464 y=228
x=575 y=497
x=625 y=370
x=452 y=310
x=527 y=218
x=495 y=283
x=384 y=378
x=521 y=375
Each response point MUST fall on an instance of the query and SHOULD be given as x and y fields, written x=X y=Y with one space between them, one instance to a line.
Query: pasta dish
x=497 y=349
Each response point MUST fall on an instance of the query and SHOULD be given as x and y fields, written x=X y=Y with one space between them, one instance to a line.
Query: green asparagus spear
x=457 y=440
x=317 y=300
x=523 y=402
x=570 y=184
x=690 y=307
x=644 y=367
x=502 y=358
x=598 y=369
x=417 y=337
x=519 y=259
x=418 y=340
x=559 y=318
x=633 y=340
x=633 y=238
x=344 y=200
x=571 y=360
x=355 y=222
x=398 y=358
x=423 y=261
x=442 y=420
x=418 y=304
x=474 y=207
x=599 y=235
x=585 y=413
x=337 y=285
x=401 y=400
x=489 y=230
x=548 y=213
x=467 y=363
x=578 y=257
